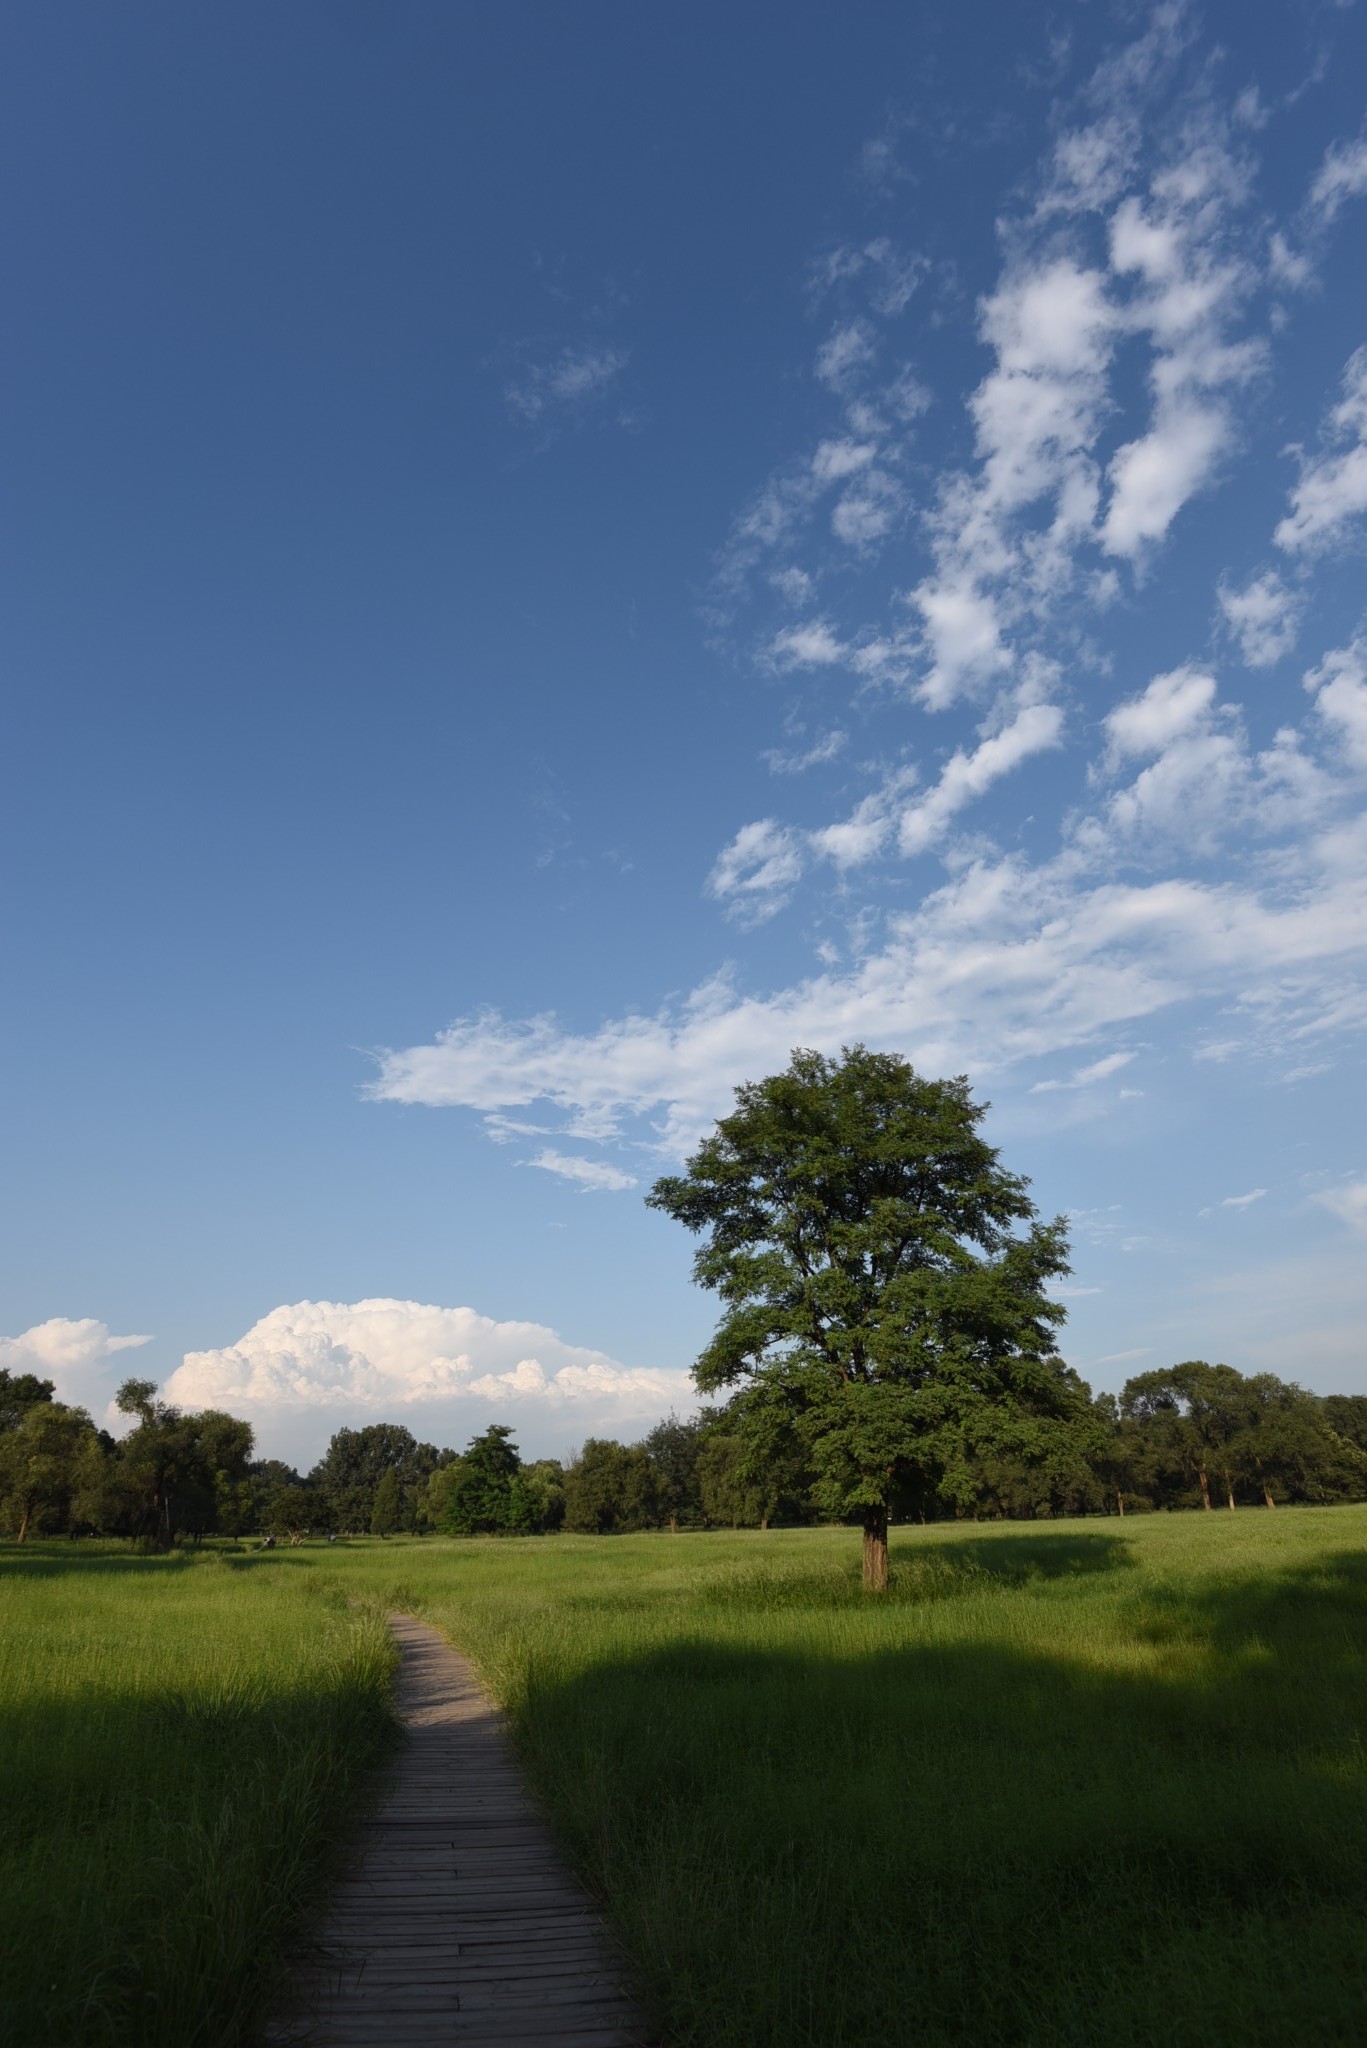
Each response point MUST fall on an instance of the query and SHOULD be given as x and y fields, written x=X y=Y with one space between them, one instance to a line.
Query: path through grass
x=1064 y=1785
x=1067 y=1785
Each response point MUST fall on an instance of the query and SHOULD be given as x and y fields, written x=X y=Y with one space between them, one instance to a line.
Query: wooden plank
x=456 y=1920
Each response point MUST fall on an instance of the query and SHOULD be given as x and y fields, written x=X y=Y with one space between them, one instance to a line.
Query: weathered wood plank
x=455 y=1920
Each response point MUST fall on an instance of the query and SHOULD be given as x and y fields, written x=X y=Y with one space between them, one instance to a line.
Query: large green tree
x=882 y=1278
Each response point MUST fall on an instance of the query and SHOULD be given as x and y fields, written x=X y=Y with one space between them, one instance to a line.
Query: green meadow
x=181 y=1740
x=1089 y=1781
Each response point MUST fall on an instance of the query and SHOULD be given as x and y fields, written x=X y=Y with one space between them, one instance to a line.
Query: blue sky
x=555 y=554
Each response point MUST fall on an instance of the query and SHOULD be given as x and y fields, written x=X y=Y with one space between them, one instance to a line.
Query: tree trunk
x=1205 y=1487
x=763 y=1523
x=876 y=1548
x=1229 y=1489
x=1267 y=1495
x=673 y=1525
x=23 y=1525
x=1120 y=1503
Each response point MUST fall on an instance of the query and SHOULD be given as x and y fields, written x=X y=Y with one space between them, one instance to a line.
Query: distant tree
x=1287 y=1445
x=384 y=1514
x=610 y=1489
x=1346 y=1416
x=673 y=1448
x=173 y=1467
x=1191 y=1417
x=544 y=1482
x=861 y=1235
x=50 y=1462
x=294 y=1511
x=18 y=1393
x=356 y=1460
x=480 y=1490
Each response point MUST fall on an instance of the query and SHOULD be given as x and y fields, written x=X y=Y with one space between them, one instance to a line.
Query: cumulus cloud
x=1332 y=491
x=1169 y=707
x=391 y=1359
x=1263 y=617
x=73 y=1354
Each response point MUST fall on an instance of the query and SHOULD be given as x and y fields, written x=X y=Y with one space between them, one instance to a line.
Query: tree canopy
x=882 y=1280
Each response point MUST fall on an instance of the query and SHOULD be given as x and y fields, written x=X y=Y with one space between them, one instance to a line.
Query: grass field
x=1077 y=1784
x=180 y=1739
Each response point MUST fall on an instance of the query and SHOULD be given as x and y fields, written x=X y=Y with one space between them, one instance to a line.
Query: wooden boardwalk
x=458 y=1922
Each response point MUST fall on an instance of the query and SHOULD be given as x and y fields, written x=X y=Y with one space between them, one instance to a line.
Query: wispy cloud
x=1348 y=1203
x=567 y=381
x=588 y=1174
x=1332 y=491
x=1243 y=1201
x=1087 y=1077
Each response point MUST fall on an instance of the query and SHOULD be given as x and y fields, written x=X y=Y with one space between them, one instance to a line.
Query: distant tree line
x=1191 y=1436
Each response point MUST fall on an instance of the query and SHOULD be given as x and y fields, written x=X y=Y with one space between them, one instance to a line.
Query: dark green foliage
x=173 y=1469
x=610 y=1488
x=674 y=1449
x=479 y=1494
x=384 y=1514
x=353 y=1467
x=876 y=1296
x=18 y=1393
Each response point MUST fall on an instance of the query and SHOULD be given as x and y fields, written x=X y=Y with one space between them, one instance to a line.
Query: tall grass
x=181 y=1741
x=1094 y=1783
x=1090 y=1783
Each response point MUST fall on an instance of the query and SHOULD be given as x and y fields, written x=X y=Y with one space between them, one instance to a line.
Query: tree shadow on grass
x=1140 y=1839
x=60 y=1559
x=1061 y=1554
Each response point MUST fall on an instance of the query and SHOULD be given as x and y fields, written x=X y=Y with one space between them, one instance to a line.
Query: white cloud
x=1332 y=490
x=1171 y=706
x=1340 y=688
x=576 y=374
x=386 y=1359
x=812 y=645
x=799 y=759
x=835 y=460
x=73 y=1354
x=868 y=512
x=1243 y=1201
x=1087 y=1077
x=1348 y=1203
x=1005 y=962
x=755 y=874
x=1341 y=177
x=1263 y=617
x=590 y=1174
x=849 y=350
x=1034 y=729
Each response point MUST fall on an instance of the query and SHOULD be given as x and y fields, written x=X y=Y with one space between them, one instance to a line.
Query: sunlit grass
x=181 y=1740
x=1093 y=1782
x=1082 y=1783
